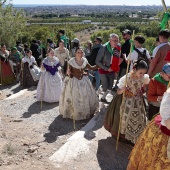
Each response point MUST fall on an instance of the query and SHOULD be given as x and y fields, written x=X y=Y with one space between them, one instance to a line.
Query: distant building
x=86 y=21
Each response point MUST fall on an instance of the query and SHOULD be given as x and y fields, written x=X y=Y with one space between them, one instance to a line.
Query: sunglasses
x=115 y=41
x=123 y=34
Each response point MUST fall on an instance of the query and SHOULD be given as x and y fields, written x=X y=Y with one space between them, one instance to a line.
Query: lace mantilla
x=73 y=63
x=54 y=63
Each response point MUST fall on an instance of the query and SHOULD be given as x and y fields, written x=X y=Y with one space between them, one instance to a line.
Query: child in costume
x=133 y=111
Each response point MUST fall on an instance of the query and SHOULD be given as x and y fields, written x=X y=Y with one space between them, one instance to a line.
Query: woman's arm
x=88 y=66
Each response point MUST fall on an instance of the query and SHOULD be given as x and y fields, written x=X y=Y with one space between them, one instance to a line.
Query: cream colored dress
x=78 y=97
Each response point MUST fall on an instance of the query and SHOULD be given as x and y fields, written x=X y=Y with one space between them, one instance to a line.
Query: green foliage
x=149 y=31
x=150 y=42
x=42 y=32
x=12 y=23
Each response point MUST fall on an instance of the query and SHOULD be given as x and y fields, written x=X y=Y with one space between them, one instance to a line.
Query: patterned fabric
x=49 y=86
x=150 y=151
x=78 y=97
x=26 y=77
x=133 y=119
x=6 y=74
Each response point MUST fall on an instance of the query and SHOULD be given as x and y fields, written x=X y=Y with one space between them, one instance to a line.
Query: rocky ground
x=30 y=136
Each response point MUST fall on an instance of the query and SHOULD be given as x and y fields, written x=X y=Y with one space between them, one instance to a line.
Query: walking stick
x=123 y=99
x=164 y=6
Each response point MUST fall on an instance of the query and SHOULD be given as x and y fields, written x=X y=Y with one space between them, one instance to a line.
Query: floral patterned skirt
x=78 y=99
x=150 y=151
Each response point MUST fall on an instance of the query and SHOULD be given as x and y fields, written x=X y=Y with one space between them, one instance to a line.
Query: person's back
x=35 y=53
x=160 y=59
x=161 y=50
x=139 y=51
x=92 y=57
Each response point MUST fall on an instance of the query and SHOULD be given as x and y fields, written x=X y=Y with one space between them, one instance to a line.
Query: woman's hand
x=68 y=72
x=120 y=91
x=159 y=99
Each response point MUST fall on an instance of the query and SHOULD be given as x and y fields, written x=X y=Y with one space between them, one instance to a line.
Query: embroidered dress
x=50 y=83
x=29 y=76
x=78 y=97
x=6 y=74
x=152 y=150
x=134 y=116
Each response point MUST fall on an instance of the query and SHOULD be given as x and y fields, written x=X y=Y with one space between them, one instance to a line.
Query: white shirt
x=134 y=56
x=30 y=60
x=164 y=108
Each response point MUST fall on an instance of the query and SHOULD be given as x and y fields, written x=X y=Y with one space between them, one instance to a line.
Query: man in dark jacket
x=35 y=53
x=92 y=58
x=125 y=50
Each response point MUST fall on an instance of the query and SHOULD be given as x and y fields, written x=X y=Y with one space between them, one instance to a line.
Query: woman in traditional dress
x=62 y=54
x=133 y=111
x=29 y=71
x=152 y=150
x=78 y=99
x=50 y=83
x=6 y=73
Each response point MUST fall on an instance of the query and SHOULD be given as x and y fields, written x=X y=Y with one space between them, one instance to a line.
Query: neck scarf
x=160 y=79
x=109 y=48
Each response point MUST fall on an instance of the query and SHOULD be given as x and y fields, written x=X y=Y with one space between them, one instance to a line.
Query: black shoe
x=104 y=100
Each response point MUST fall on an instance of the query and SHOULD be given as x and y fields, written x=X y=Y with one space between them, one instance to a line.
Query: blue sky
x=94 y=2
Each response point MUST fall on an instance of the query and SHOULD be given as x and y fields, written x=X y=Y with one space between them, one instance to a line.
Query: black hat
x=98 y=39
x=140 y=39
x=126 y=31
x=164 y=33
x=61 y=31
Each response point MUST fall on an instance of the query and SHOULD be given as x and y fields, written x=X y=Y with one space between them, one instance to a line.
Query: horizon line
x=90 y=4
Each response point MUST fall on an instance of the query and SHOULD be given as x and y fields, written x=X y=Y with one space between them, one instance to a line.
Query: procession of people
x=74 y=77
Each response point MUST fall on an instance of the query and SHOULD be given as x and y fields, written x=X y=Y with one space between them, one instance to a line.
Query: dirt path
x=29 y=135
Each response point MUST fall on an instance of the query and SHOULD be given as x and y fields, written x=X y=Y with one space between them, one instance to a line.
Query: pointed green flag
x=165 y=19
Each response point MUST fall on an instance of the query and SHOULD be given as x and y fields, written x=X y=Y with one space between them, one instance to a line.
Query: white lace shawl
x=121 y=84
x=73 y=63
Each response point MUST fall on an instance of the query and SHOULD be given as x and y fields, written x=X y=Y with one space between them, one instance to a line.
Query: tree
x=12 y=22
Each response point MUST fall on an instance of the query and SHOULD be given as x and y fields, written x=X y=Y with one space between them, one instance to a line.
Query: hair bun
x=138 y=62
